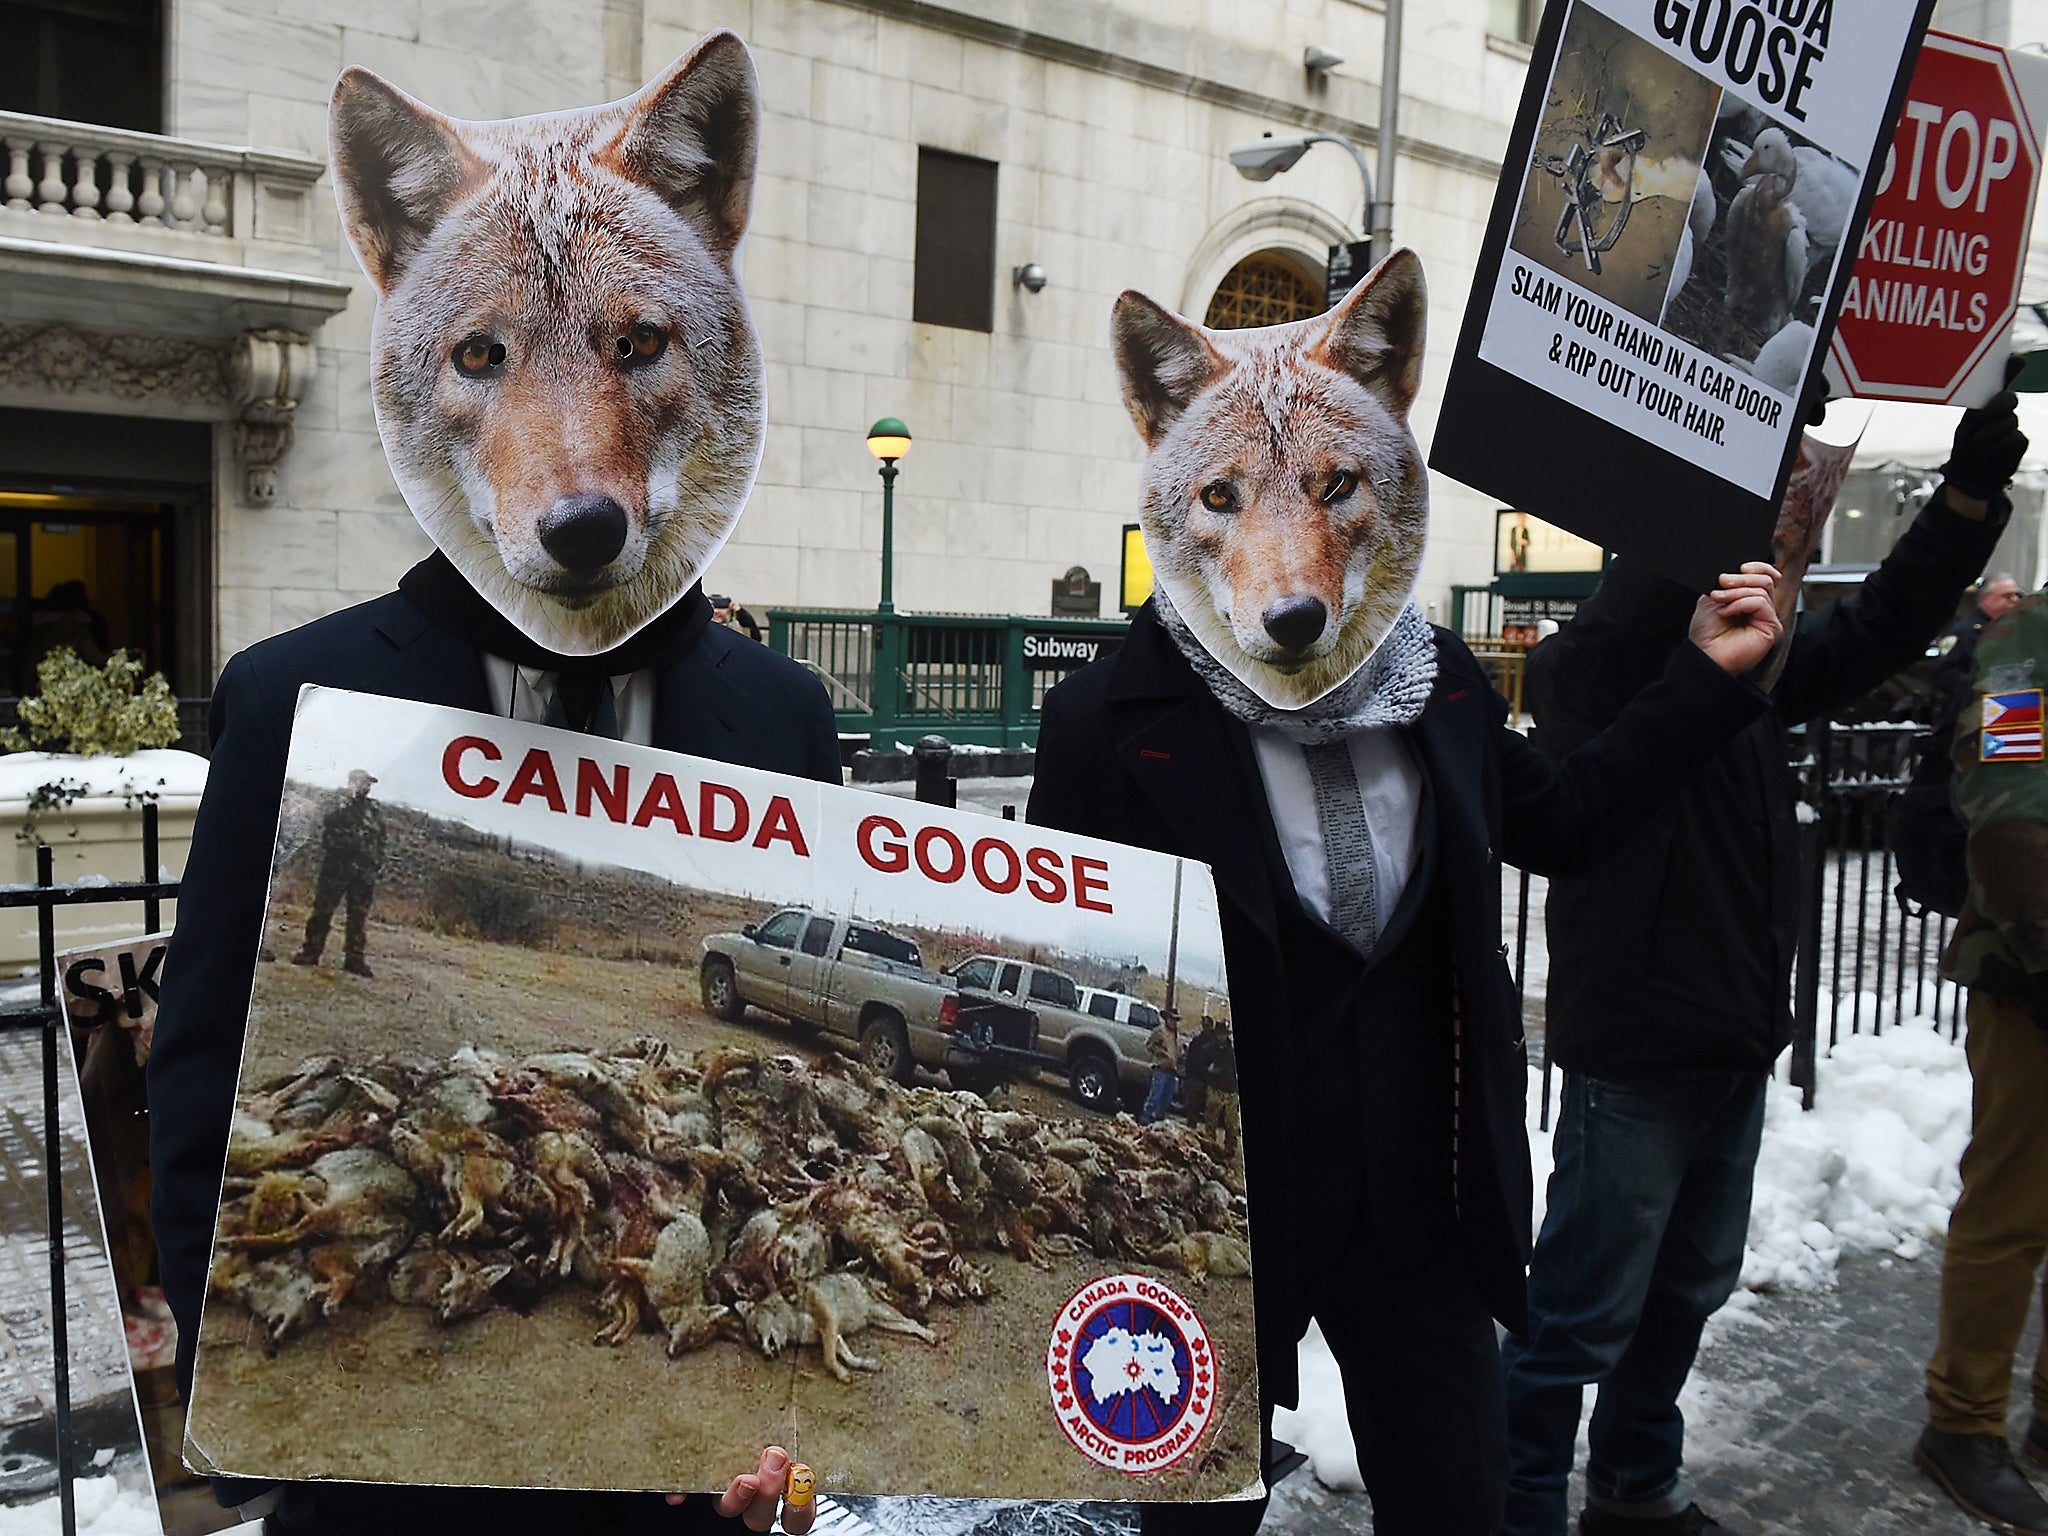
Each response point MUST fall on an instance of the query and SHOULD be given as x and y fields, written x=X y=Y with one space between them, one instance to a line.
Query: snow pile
x=162 y=771
x=1318 y=1428
x=1871 y=1169
x=105 y=1508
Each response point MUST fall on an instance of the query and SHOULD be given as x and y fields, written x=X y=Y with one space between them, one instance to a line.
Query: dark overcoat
x=1134 y=747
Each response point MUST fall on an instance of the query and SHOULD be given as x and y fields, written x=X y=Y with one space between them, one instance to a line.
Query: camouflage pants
x=331 y=892
x=1220 y=1113
x=1998 y=1235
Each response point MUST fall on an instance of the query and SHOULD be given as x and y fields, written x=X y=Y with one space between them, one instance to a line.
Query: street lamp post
x=888 y=440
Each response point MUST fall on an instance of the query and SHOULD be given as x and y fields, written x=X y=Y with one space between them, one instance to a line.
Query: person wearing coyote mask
x=570 y=393
x=1282 y=711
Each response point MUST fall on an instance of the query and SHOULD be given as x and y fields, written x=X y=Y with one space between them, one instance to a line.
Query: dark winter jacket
x=1134 y=747
x=1674 y=955
x=726 y=699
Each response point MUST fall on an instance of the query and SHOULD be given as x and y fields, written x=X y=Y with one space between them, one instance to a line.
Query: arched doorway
x=1266 y=288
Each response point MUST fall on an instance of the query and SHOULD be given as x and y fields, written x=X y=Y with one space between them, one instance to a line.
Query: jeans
x=1641 y=1244
x=1159 y=1098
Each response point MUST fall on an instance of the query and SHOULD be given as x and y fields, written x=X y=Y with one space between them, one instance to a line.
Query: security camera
x=1264 y=158
x=1030 y=277
x=1318 y=60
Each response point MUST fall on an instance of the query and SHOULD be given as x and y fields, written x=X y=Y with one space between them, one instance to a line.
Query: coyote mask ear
x=690 y=137
x=1163 y=361
x=1376 y=333
x=398 y=164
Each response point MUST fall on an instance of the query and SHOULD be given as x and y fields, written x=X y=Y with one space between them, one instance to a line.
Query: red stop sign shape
x=1938 y=269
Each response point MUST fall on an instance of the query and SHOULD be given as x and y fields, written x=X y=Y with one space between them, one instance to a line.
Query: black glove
x=1989 y=443
x=1817 y=409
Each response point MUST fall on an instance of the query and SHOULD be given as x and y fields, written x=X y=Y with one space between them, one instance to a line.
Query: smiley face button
x=802 y=1488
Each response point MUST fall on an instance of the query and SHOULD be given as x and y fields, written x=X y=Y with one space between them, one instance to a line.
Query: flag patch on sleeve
x=2012 y=727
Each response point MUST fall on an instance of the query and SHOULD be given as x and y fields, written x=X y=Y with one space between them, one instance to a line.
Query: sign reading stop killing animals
x=667 y=1109
x=1938 y=269
x=1668 y=250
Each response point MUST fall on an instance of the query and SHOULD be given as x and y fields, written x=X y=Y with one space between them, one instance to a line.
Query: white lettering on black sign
x=1050 y=653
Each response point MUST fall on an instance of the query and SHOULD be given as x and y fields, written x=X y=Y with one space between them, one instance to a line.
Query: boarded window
x=955 y=279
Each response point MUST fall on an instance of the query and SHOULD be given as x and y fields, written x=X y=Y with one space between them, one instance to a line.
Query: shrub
x=461 y=904
x=111 y=710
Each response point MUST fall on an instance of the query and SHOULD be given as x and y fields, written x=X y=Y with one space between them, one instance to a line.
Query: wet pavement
x=100 y=1389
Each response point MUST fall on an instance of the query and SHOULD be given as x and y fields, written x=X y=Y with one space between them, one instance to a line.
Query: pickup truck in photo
x=868 y=985
x=1096 y=1038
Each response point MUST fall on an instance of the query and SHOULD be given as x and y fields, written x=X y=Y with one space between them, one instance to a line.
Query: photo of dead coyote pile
x=520 y=1186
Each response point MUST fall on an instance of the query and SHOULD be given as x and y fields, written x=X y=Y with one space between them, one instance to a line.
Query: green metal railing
x=976 y=679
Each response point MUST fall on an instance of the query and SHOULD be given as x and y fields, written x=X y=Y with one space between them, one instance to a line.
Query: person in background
x=1220 y=1111
x=66 y=619
x=725 y=611
x=1997 y=597
x=1998 y=1233
x=1670 y=988
x=1163 y=1046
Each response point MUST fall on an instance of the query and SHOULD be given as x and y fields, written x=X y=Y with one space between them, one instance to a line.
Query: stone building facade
x=184 y=336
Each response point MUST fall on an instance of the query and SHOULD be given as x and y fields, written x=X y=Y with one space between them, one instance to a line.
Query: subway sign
x=1053 y=651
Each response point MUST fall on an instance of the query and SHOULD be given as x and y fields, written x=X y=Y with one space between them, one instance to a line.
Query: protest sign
x=1937 y=276
x=1664 y=264
x=659 y=1110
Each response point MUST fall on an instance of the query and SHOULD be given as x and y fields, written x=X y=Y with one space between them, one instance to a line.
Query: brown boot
x=1977 y=1472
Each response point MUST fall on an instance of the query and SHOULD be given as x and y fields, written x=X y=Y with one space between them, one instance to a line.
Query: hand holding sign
x=1988 y=448
x=1736 y=624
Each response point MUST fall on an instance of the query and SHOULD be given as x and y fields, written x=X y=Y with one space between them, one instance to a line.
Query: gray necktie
x=1347 y=844
x=583 y=702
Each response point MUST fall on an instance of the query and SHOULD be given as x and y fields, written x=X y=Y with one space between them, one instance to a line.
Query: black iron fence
x=46 y=1018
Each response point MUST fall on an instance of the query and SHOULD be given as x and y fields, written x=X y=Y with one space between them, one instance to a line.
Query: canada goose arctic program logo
x=1132 y=1373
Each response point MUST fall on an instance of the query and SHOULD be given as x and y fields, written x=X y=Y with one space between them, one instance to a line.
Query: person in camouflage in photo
x=1998 y=1234
x=351 y=854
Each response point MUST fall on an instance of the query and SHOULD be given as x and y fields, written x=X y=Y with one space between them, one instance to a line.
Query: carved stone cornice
x=64 y=360
x=255 y=381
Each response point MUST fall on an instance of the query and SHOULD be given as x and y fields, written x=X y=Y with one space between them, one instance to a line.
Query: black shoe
x=355 y=967
x=1690 y=1521
x=2035 y=1446
x=306 y=957
x=1977 y=1472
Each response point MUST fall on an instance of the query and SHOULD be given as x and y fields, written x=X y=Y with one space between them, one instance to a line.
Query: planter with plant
x=93 y=746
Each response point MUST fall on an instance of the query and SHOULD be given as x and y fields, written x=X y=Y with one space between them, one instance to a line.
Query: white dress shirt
x=526 y=693
x=1390 y=786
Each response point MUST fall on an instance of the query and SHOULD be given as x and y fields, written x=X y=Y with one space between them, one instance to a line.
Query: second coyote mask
x=567 y=381
x=1285 y=501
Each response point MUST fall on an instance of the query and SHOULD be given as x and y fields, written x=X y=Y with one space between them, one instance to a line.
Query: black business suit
x=725 y=698
x=1404 y=1224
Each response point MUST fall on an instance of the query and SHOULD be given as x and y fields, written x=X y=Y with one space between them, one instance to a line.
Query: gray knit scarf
x=1390 y=689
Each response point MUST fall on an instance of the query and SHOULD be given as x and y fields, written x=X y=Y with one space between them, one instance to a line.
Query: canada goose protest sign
x=1669 y=248
x=769 y=1111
